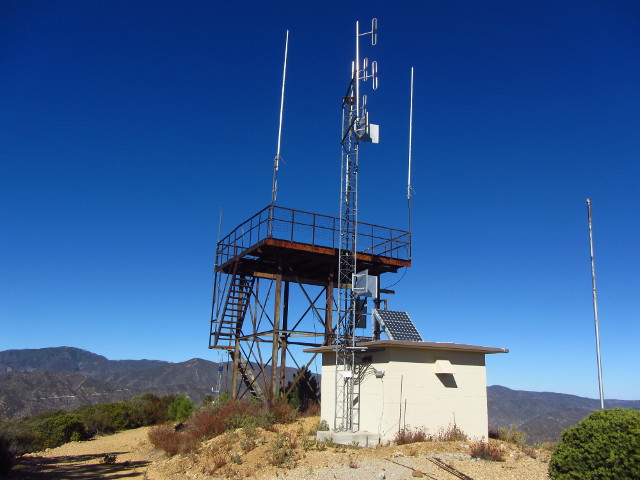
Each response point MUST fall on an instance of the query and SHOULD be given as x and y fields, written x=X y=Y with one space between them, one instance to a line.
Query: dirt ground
x=130 y=455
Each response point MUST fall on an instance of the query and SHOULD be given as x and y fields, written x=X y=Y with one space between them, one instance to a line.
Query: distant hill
x=69 y=359
x=38 y=380
x=542 y=415
x=25 y=394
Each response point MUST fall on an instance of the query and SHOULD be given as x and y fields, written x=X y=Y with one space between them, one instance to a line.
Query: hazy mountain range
x=34 y=381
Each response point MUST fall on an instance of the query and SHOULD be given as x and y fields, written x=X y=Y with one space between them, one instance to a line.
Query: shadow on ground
x=75 y=467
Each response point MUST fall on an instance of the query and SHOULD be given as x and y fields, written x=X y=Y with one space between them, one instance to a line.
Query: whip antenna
x=276 y=160
x=410 y=147
x=595 y=306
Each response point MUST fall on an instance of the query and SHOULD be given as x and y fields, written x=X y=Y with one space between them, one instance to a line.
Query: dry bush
x=409 y=435
x=172 y=442
x=205 y=424
x=291 y=440
x=283 y=412
x=487 y=451
x=271 y=427
x=451 y=434
x=213 y=461
x=247 y=444
x=313 y=410
x=239 y=407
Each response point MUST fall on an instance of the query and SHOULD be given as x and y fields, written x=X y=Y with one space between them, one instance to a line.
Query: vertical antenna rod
x=410 y=147
x=276 y=160
x=216 y=275
x=595 y=306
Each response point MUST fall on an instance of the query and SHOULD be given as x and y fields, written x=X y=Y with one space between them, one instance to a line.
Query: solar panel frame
x=398 y=325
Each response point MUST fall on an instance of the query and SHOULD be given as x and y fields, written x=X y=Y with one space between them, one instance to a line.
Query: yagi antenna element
x=276 y=160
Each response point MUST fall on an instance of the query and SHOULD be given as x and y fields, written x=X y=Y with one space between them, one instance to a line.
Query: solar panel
x=398 y=325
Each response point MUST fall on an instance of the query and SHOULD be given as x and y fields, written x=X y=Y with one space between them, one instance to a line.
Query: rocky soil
x=130 y=455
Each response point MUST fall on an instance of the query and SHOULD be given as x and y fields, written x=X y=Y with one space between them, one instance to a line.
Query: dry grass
x=220 y=418
x=411 y=435
x=487 y=451
x=414 y=435
x=451 y=434
x=213 y=460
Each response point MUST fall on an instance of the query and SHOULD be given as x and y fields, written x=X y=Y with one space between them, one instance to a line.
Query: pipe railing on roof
x=312 y=229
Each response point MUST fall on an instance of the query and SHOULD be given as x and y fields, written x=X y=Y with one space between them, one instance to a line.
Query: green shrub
x=58 y=429
x=20 y=433
x=180 y=409
x=109 y=417
x=512 y=435
x=603 y=446
x=281 y=452
x=323 y=426
x=246 y=420
x=151 y=409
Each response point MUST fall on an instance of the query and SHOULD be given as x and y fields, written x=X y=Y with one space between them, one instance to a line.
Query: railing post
x=313 y=231
x=293 y=222
x=270 y=222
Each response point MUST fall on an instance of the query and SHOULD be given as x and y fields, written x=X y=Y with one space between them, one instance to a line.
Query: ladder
x=249 y=378
x=229 y=324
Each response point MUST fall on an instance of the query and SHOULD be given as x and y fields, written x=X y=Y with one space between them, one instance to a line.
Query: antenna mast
x=355 y=129
x=595 y=306
x=409 y=189
x=276 y=160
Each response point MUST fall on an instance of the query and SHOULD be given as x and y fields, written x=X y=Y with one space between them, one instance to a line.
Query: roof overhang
x=378 y=345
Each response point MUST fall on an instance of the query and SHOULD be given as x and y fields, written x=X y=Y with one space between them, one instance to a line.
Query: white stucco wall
x=411 y=394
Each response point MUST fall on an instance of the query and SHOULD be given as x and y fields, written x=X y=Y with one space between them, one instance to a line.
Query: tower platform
x=307 y=245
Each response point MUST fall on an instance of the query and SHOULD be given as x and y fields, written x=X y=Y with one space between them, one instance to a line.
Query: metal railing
x=312 y=229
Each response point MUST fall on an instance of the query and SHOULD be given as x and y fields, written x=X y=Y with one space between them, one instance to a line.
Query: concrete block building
x=411 y=384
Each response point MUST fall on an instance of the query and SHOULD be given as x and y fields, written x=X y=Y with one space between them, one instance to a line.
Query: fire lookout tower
x=256 y=265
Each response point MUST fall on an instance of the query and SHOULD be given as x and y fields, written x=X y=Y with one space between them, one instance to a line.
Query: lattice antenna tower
x=355 y=129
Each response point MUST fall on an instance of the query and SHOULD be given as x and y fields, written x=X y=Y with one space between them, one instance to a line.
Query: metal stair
x=229 y=324
x=249 y=378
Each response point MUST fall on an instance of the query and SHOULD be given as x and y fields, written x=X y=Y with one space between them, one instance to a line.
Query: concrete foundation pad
x=362 y=438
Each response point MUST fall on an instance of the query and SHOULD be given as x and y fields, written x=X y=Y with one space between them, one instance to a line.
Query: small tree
x=305 y=392
x=603 y=446
x=180 y=409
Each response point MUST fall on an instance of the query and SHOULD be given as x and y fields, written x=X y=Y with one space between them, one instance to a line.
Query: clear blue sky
x=124 y=125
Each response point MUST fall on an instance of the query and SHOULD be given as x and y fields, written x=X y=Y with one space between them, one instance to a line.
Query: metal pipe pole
x=595 y=305
x=410 y=149
x=276 y=160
